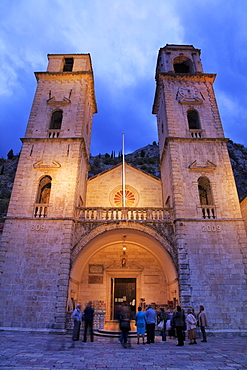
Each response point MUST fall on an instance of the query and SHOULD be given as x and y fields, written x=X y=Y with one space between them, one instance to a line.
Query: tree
x=10 y=154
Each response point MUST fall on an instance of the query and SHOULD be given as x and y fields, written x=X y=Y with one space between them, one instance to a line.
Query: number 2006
x=213 y=228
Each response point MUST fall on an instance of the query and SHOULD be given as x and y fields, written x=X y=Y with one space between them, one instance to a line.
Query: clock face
x=188 y=91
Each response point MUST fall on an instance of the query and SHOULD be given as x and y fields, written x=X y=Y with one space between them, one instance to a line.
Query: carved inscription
x=38 y=227
x=211 y=228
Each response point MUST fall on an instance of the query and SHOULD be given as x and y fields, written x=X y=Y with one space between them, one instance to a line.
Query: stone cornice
x=49 y=140
x=200 y=77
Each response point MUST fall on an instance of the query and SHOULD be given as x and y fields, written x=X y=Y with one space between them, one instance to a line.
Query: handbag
x=161 y=324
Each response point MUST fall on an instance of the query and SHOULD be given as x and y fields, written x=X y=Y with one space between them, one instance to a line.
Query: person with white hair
x=77 y=317
x=191 y=327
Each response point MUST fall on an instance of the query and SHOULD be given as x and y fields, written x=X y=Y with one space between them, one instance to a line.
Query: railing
x=40 y=210
x=208 y=211
x=128 y=214
x=53 y=134
x=195 y=133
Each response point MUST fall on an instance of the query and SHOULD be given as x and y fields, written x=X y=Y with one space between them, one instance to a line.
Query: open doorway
x=123 y=289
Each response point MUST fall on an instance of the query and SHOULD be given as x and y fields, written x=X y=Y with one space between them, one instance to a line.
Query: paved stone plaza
x=48 y=351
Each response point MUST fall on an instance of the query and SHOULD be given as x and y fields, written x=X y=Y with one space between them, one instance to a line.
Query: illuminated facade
x=67 y=238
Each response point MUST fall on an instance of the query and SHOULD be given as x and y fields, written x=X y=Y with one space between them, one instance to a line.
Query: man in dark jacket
x=88 y=320
x=179 y=323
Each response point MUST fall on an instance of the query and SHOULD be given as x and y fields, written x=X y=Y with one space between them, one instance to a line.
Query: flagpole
x=123 y=173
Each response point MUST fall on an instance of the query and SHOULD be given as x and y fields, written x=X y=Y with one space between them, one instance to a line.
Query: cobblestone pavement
x=53 y=351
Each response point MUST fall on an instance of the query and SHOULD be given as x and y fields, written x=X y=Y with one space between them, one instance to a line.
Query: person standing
x=140 y=319
x=151 y=320
x=179 y=323
x=191 y=327
x=162 y=317
x=88 y=321
x=203 y=321
x=77 y=317
x=124 y=320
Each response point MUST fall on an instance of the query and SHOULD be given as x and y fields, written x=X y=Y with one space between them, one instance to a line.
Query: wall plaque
x=95 y=279
x=96 y=269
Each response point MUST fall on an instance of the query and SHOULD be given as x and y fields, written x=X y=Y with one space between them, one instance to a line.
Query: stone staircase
x=111 y=330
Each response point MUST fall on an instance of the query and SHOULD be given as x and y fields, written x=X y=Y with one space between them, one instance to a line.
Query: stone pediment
x=42 y=165
x=53 y=101
x=208 y=166
x=192 y=101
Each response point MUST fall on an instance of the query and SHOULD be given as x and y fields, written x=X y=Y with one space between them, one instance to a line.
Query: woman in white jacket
x=191 y=327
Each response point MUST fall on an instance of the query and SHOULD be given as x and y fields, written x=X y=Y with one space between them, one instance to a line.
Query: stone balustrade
x=40 y=210
x=97 y=214
x=208 y=211
x=195 y=133
x=53 y=134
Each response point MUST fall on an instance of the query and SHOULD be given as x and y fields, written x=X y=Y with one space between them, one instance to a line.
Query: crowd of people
x=174 y=323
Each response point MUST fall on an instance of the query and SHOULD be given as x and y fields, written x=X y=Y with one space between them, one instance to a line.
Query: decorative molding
x=42 y=165
x=209 y=166
x=117 y=266
x=53 y=101
x=190 y=101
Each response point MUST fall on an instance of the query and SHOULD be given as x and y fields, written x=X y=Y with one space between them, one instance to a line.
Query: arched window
x=193 y=120
x=56 y=120
x=205 y=192
x=44 y=190
x=182 y=64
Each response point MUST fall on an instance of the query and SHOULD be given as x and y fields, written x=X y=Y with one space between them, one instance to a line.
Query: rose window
x=129 y=198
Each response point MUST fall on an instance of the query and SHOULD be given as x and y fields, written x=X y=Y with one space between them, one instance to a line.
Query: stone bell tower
x=198 y=183
x=50 y=183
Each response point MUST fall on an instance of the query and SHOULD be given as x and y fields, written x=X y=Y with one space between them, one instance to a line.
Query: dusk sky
x=123 y=38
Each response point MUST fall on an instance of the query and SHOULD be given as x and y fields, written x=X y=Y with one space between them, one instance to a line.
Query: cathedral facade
x=178 y=239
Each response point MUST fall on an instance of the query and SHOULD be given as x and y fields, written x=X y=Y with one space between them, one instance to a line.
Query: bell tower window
x=193 y=119
x=182 y=64
x=56 y=120
x=68 y=64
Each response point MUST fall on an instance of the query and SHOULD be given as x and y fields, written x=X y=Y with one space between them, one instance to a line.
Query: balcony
x=53 y=134
x=195 y=134
x=40 y=210
x=207 y=212
x=98 y=214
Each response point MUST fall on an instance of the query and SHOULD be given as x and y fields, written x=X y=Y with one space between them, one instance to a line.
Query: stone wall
x=34 y=273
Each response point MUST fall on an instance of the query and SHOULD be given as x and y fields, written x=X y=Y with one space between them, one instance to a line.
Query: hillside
x=146 y=158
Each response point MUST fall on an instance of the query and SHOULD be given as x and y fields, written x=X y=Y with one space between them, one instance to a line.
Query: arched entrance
x=123 y=264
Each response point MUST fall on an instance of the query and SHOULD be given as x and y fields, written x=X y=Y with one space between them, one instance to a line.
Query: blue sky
x=123 y=38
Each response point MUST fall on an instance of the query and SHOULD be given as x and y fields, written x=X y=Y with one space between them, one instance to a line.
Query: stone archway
x=102 y=259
